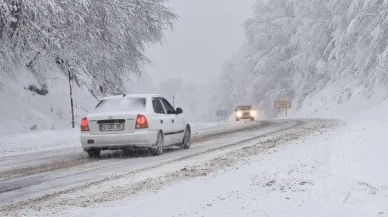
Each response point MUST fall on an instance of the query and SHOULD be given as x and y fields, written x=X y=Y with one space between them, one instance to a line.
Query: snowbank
x=334 y=102
x=25 y=106
x=32 y=142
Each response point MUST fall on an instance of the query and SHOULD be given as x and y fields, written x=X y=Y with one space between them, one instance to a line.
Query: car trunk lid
x=112 y=123
x=116 y=115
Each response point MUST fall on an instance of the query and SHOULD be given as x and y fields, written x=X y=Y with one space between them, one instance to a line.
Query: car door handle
x=161 y=121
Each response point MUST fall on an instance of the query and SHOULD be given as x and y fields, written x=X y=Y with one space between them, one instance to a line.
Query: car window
x=168 y=106
x=121 y=105
x=244 y=107
x=158 y=108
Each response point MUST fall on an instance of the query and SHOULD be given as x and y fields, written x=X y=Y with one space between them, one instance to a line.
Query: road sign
x=221 y=113
x=282 y=104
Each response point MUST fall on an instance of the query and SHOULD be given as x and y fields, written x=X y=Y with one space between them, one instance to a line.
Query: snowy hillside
x=333 y=102
x=27 y=106
x=303 y=50
x=101 y=42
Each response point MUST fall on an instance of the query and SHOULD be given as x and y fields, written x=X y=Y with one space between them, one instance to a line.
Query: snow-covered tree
x=101 y=39
x=295 y=48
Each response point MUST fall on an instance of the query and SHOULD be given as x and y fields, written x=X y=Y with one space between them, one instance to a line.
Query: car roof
x=133 y=96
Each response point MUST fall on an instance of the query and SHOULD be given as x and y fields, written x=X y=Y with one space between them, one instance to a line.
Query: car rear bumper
x=140 y=139
x=245 y=116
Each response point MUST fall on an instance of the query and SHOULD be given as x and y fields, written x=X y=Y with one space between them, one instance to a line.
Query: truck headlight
x=253 y=113
x=239 y=114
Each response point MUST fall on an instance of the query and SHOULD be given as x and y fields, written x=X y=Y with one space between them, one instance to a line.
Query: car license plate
x=111 y=127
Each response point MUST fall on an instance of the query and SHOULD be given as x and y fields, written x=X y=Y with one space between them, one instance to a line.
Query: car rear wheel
x=94 y=153
x=186 y=138
x=159 y=144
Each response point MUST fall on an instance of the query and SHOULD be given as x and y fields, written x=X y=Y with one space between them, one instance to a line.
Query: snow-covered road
x=36 y=175
x=336 y=173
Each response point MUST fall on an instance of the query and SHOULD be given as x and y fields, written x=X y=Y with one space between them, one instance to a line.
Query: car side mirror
x=179 y=111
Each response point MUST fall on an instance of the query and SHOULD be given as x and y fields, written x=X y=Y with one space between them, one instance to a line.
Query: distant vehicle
x=142 y=121
x=245 y=112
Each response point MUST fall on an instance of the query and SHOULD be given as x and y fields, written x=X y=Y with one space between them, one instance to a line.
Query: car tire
x=252 y=119
x=186 y=138
x=94 y=153
x=237 y=119
x=159 y=144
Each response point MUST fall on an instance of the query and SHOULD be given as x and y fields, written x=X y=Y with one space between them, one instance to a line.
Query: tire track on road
x=75 y=160
x=100 y=198
x=41 y=175
x=240 y=139
x=61 y=152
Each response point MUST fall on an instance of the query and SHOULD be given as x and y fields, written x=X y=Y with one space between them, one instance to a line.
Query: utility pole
x=173 y=100
x=71 y=98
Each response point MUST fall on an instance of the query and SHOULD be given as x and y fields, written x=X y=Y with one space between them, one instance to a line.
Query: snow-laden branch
x=105 y=38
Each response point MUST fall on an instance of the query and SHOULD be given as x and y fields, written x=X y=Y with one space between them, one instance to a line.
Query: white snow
x=338 y=173
x=57 y=140
x=75 y=176
x=327 y=103
x=31 y=142
x=22 y=110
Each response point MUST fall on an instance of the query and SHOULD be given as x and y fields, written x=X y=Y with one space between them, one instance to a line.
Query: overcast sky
x=206 y=34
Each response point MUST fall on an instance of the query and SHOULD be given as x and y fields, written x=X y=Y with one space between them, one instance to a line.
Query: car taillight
x=141 y=122
x=84 y=124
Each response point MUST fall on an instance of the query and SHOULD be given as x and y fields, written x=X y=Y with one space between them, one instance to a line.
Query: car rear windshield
x=121 y=105
x=244 y=107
